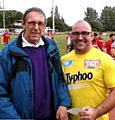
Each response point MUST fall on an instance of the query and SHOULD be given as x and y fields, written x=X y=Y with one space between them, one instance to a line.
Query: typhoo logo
x=78 y=77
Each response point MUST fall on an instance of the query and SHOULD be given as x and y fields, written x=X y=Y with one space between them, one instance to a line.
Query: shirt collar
x=25 y=43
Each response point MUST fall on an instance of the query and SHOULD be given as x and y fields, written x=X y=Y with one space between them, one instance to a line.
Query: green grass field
x=60 y=42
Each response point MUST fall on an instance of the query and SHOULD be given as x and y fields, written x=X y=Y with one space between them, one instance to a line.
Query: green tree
x=60 y=24
x=91 y=16
x=10 y=17
x=107 y=18
x=57 y=15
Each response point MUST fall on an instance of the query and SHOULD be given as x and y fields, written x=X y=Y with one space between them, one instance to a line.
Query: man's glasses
x=84 y=34
x=33 y=23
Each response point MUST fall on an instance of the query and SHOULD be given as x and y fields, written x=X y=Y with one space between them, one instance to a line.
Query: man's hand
x=62 y=113
x=90 y=114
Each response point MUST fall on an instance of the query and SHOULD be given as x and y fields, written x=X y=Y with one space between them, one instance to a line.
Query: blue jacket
x=16 y=80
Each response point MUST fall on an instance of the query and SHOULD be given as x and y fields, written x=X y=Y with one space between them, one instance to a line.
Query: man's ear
x=45 y=25
x=92 y=35
x=23 y=23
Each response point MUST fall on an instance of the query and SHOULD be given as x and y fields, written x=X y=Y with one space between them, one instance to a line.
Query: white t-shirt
x=68 y=40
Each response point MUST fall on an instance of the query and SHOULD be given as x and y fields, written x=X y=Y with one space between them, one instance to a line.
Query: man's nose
x=80 y=36
x=36 y=26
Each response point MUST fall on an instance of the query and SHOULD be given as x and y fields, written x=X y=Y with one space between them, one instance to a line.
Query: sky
x=70 y=10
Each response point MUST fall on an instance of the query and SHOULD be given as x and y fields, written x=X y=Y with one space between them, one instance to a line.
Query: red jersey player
x=51 y=35
x=94 y=41
x=6 y=37
x=100 y=41
x=113 y=50
x=108 y=44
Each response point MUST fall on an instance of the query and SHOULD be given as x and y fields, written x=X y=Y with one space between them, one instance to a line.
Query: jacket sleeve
x=7 y=109
x=63 y=90
x=64 y=97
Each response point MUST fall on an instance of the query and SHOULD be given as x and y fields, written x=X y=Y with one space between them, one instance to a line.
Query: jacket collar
x=49 y=45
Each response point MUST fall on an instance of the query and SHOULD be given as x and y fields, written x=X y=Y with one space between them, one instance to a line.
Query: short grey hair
x=35 y=9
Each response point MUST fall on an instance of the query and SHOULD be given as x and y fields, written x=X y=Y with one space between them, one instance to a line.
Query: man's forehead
x=35 y=15
x=81 y=28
